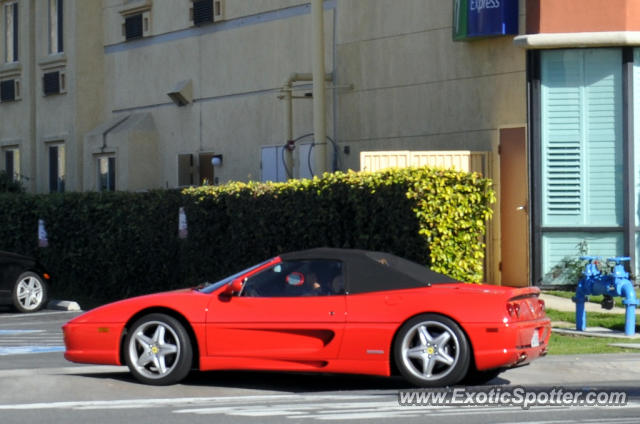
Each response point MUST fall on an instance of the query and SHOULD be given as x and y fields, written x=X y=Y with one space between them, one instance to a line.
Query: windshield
x=211 y=287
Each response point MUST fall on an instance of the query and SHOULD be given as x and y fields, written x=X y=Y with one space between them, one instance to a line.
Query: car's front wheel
x=158 y=350
x=30 y=292
x=431 y=351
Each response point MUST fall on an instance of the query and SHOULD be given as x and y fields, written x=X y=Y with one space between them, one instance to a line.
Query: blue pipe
x=631 y=301
x=617 y=284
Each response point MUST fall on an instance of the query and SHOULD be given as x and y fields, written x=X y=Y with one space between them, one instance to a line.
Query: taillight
x=513 y=309
x=541 y=306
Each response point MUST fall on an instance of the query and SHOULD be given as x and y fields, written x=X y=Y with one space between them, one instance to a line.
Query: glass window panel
x=561 y=251
x=55 y=26
x=106 y=173
x=57 y=166
x=11 y=32
x=297 y=279
x=12 y=162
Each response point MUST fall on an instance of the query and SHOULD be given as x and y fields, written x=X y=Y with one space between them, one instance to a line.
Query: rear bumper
x=510 y=344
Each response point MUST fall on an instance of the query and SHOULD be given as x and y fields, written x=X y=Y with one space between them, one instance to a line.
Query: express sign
x=484 y=18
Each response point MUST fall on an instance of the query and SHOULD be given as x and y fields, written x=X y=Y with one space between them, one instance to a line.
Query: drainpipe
x=319 y=106
x=287 y=96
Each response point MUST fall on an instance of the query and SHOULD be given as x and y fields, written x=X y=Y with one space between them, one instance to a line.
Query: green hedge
x=106 y=246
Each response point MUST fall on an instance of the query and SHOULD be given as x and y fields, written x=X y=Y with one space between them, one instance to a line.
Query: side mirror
x=234 y=287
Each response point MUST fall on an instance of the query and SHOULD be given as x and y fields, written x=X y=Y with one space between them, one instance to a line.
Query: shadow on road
x=273 y=381
x=315 y=383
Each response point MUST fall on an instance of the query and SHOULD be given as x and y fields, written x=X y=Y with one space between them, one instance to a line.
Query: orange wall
x=550 y=16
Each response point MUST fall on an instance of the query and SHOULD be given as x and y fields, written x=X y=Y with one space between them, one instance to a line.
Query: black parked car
x=24 y=283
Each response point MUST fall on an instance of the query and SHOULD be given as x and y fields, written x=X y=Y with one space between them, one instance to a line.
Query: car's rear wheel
x=30 y=292
x=431 y=351
x=158 y=350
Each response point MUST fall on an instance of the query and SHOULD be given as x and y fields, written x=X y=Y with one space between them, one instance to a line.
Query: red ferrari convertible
x=322 y=310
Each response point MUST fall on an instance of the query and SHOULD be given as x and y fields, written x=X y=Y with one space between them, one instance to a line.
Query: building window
x=581 y=156
x=53 y=83
x=636 y=153
x=136 y=19
x=56 y=168
x=9 y=90
x=106 y=173
x=207 y=11
x=12 y=162
x=11 y=32
x=56 y=43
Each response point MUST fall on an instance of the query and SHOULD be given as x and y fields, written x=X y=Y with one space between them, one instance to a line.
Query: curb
x=63 y=305
x=596 y=332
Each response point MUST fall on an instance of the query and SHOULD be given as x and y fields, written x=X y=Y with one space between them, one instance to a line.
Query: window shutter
x=603 y=136
x=581 y=138
x=562 y=153
x=7 y=91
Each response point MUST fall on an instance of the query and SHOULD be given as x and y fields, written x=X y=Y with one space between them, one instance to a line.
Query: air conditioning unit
x=54 y=82
x=10 y=90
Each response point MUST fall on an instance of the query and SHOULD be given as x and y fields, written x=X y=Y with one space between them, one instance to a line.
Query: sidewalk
x=567 y=305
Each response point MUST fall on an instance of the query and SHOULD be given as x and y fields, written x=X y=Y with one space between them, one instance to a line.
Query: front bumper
x=93 y=343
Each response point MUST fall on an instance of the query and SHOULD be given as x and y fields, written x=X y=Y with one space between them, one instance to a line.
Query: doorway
x=514 y=209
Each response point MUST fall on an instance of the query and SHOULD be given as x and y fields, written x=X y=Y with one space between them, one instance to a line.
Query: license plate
x=535 y=339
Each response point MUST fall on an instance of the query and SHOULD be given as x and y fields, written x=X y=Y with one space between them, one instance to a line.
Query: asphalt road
x=38 y=387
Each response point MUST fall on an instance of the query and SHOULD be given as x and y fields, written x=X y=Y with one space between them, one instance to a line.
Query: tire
x=431 y=351
x=158 y=350
x=30 y=292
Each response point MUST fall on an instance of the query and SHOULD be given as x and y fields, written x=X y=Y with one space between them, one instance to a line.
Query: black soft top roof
x=367 y=271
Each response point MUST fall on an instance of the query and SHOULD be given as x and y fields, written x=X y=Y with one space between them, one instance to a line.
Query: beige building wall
x=35 y=122
x=17 y=118
x=414 y=88
x=399 y=83
x=236 y=67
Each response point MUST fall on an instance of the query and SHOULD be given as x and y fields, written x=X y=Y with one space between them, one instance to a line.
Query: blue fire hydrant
x=593 y=282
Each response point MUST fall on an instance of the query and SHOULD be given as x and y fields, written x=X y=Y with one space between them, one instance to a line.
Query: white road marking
x=38 y=314
x=310 y=406
x=26 y=350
